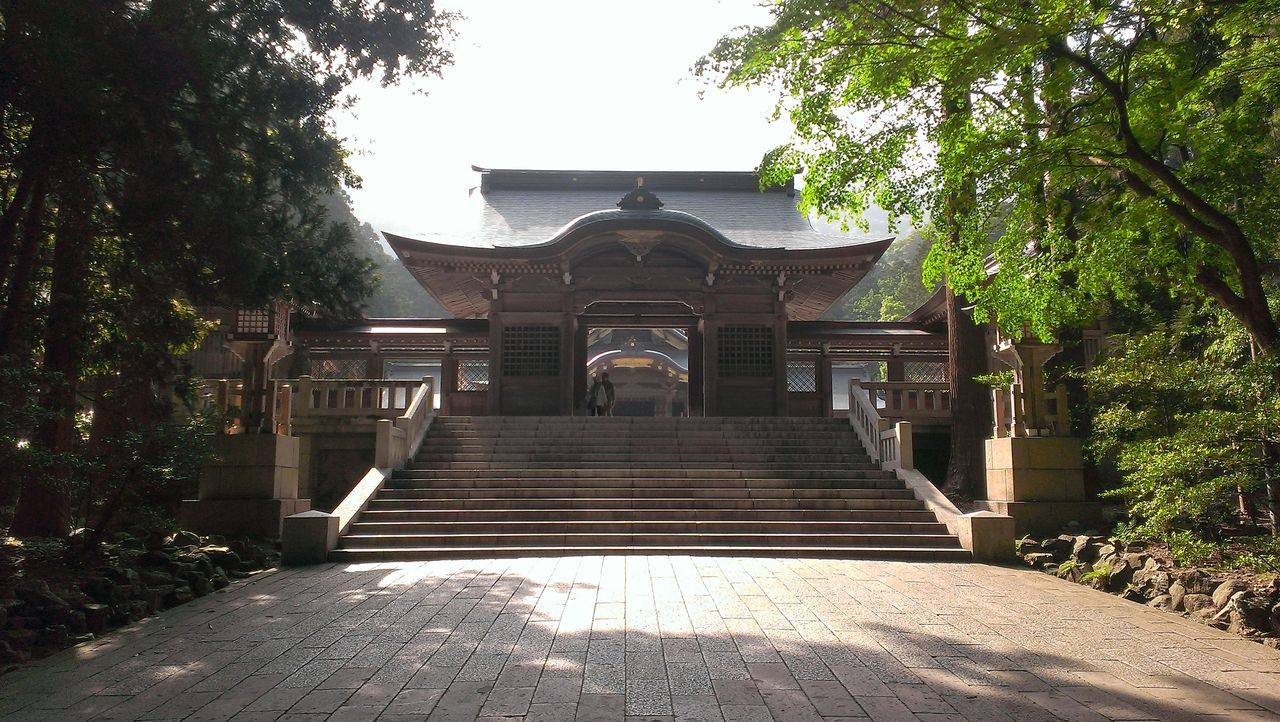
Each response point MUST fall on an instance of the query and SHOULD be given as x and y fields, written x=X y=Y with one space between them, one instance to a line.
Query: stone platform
x=654 y=638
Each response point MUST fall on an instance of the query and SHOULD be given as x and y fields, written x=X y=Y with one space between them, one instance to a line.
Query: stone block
x=240 y=517
x=987 y=534
x=1044 y=517
x=307 y=537
x=248 y=482
x=256 y=450
x=1034 y=469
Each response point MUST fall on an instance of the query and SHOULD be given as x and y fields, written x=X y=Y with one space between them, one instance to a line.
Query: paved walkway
x=696 y=638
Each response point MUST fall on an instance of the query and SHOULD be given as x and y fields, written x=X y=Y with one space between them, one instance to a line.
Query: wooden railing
x=368 y=398
x=888 y=443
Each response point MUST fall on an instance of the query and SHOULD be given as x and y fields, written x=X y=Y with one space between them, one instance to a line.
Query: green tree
x=161 y=154
x=1114 y=145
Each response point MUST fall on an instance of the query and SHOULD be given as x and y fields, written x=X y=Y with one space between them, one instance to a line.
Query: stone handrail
x=397 y=440
x=228 y=394
x=887 y=443
x=987 y=535
x=308 y=537
x=366 y=398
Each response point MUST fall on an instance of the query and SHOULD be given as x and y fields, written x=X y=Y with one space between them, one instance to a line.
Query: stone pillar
x=247 y=488
x=1035 y=474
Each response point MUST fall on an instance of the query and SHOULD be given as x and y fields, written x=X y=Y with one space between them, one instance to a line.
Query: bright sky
x=581 y=84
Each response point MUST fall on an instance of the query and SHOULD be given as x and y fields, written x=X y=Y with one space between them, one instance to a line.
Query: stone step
x=643 y=420
x=484 y=486
x=678 y=484
x=560 y=539
x=553 y=512
x=604 y=435
x=641 y=457
x=648 y=469
x=630 y=526
x=642 y=473
x=850 y=500
x=714 y=492
x=412 y=553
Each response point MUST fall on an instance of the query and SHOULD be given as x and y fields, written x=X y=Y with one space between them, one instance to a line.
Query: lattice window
x=338 y=368
x=253 y=321
x=531 y=351
x=746 y=351
x=924 y=372
x=802 y=376
x=473 y=375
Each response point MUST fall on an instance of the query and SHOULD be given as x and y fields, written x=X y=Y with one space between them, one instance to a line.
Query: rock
x=1145 y=576
x=225 y=558
x=1205 y=616
x=186 y=539
x=156 y=558
x=1038 y=559
x=1253 y=612
x=180 y=595
x=1106 y=552
x=1272 y=642
x=1121 y=573
x=1060 y=547
x=1161 y=601
x=95 y=617
x=1227 y=590
x=1197 y=602
x=1195 y=581
x=1081 y=548
x=9 y=655
x=36 y=593
x=1176 y=593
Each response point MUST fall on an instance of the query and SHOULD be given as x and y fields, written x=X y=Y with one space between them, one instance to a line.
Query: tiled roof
x=524 y=208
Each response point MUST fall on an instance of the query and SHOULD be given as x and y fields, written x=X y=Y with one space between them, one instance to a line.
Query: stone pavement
x=686 y=638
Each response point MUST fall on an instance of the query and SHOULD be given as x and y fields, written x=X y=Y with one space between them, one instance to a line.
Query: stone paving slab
x=654 y=638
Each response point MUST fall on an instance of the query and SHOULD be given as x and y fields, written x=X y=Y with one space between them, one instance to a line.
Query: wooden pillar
x=823 y=377
x=711 y=366
x=580 y=331
x=697 y=360
x=448 y=381
x=495 y=362
x=780 y=363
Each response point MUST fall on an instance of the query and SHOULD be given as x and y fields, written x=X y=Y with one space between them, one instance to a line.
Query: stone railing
x=910 y=400
x=308 y=537
x=887 y=442
x=398 y=439
x=1010 y=413
x=366 y=398
x=227 y=395
x=987 y=535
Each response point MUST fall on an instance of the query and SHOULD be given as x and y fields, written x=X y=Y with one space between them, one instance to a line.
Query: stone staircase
x=528 y=486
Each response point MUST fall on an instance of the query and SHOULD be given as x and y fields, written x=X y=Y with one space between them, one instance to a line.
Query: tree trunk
x=970 y=412
x=44 y=506
x=18 y=302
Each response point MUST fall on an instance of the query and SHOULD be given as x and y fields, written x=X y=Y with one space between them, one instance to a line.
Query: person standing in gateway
x=609 y=398
x=595 y=397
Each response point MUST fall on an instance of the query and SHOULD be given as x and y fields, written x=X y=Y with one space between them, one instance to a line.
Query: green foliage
x=1189 y=549
x=1186 y=414
x=1082 y=150
x=1093 y=575
x=156 y=157
x=996 y=379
